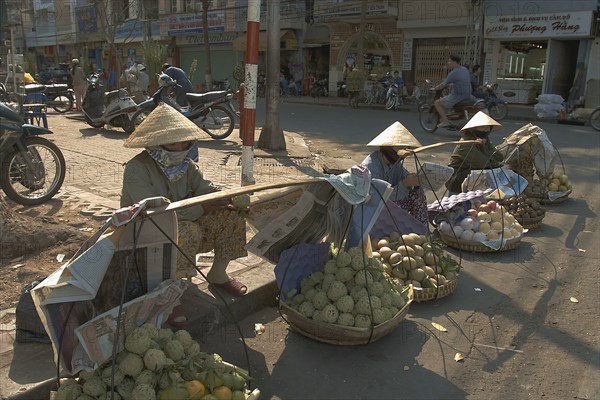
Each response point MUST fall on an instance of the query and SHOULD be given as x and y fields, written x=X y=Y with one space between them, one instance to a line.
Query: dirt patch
x=41 y=234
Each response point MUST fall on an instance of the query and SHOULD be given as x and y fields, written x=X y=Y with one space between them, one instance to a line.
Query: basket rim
x=366 y=334
x=479 y=247
x=427 y=294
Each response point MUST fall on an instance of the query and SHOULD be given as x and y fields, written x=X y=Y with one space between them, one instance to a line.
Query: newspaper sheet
x=97 y=336
x=92 y=283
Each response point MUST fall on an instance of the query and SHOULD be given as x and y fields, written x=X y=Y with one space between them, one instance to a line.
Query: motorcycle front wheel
x=138 y=118
x=429 y=119
x=219 y=122
x=33 y=177
x=595 y=119
x=498 y=111
x=390 y=103
x=62 y=104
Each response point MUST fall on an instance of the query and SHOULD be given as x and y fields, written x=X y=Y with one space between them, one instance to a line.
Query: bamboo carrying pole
x=440 y=144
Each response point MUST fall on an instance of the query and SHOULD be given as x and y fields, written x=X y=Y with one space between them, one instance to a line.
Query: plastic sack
x=550 y=99
x=544 y=110
x=508 y=181
x=298 y=262
x=29 y=325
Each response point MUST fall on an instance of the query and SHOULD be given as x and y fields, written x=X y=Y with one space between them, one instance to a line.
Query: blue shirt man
x=179 y=75
x=460 y=79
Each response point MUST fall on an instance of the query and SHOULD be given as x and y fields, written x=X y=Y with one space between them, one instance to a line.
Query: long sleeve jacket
x=143 y=178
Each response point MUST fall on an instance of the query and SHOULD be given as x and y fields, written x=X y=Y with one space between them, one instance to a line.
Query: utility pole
x=271 y=137
x=13 y=60
x=250 y=84
x=361 y=39
x=208 y=68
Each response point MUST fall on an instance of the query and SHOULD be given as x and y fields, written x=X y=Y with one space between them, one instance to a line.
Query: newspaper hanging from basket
x=508 y=182
x=529 y=152
x=78 y=303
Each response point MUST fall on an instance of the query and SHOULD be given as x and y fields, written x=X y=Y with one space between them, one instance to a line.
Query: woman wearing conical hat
x=165 y=168
x=386 y=163
x=467 y=157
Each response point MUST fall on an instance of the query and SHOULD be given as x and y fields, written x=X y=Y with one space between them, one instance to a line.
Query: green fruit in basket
x=417 y=274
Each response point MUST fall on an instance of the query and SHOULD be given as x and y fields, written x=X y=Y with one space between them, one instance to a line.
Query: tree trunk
x=271 y=136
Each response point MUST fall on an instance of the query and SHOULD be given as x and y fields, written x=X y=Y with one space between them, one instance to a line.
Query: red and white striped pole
x=248 y=121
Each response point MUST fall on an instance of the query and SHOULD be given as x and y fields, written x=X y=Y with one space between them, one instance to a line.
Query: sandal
x=233 y=287
x=177 y=318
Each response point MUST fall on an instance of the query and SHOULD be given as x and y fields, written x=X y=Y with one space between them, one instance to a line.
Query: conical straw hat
x=395 y=135
x=164 y=125
x=482 y=119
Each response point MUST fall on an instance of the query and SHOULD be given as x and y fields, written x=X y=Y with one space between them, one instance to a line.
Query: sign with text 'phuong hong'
x=539 y=26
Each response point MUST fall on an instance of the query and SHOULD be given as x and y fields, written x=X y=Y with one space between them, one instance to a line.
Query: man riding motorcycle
x=460 y=80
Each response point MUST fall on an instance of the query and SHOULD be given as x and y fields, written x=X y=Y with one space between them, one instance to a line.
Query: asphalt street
x=510 y=316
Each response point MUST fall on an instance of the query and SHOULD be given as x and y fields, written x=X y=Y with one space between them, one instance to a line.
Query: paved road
x=521 y=336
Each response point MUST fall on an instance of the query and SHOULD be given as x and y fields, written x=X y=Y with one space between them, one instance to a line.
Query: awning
x=316 y=36
x=286 y=35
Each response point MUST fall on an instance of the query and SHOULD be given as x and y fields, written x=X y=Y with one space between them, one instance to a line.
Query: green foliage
x=155 y=54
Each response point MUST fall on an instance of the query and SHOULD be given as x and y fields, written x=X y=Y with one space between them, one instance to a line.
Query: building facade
x=546 y=46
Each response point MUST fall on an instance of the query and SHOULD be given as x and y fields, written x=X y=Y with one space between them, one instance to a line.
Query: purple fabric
x=396 y=220
x=298 y=262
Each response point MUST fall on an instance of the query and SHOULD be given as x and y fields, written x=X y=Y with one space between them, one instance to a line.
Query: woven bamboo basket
x=530 y=223
x=545 y=200
x=427 y=294
x=477 y=247
x=343 y=335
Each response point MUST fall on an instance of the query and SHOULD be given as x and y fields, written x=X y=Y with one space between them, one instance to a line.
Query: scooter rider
x=460 y=80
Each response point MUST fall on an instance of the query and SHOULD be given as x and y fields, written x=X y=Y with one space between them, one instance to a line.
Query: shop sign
x=130 y=30
x=538 y=26
x=192 y=23
x=86 y=19
x=407 y=52
x=213 y=37
x=340 y=10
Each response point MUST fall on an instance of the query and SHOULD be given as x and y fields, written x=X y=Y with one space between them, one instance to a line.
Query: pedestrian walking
x=79 y=83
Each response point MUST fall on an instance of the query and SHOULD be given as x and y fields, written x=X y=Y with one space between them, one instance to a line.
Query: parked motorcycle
x=114 y=108
x=595 y=119
x=461 y=112
x=211 y=111
x=319 y=88
x=497 y=109
x=58 y=95
x=32 y=167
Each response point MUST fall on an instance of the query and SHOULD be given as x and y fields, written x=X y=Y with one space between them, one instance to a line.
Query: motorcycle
x=58 y=95
x=33 y=168
x=461 y=112
x=497 y=109
x=113 y=108
x=211 y=111
x=393 y=99
x=595 y=119
x=319 y=88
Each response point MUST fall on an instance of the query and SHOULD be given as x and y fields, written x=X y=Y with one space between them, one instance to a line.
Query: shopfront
x=192 y=56
x=543 y=53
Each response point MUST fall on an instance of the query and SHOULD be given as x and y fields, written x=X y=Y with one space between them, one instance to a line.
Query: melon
x=492 y=235
x=467 y=235
x=484 y=227
x=496 y=226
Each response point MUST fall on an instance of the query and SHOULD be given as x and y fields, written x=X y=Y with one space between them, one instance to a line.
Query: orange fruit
x=195 y=389
x=223 y=393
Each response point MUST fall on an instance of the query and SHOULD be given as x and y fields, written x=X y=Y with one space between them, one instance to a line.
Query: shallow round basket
x=342 y=335
x=428 y=294
x=531 y=223
x=557 y=200
x=477 y=247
